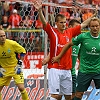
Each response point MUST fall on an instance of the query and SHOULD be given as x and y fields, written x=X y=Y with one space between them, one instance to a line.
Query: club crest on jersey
x=9 y=50
x=67 y=39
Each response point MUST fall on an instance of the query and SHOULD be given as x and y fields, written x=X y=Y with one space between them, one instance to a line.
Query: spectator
x=5 y=25
x=17 y=6
x=27 y=21
x=76 y=14
x=65 y=13
x=96 y=2
x=38 y=23
x=21 y=26
x=38 y=40
x=28 y=24
x=5 y=9
x=87 y=14
x=14 y=20
x=51 y=14
x=38 y=43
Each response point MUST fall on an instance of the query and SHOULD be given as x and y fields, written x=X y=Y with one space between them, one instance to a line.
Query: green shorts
x=73 y=83
x=84 y=81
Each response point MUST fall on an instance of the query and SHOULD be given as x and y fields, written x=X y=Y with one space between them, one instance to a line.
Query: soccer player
x=59 y=79
x=75 y=49
x=10 y=66
x=89 y=57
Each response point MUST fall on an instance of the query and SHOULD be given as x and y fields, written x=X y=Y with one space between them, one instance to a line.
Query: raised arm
x=86 y=22
x=63 y=51
x=38 y=5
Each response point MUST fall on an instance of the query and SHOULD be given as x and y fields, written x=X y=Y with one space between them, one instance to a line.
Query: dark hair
x=59 y=16
x=73 y=21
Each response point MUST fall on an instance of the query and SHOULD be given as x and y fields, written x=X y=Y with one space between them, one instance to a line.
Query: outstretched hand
x=37 y=4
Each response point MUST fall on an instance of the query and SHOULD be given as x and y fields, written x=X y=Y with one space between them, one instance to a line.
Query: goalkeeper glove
x=2 y=70
x=18 y=68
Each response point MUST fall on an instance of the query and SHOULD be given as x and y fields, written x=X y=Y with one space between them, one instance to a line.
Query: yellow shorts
x=10 y=74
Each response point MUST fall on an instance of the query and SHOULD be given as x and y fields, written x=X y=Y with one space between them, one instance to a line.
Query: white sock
x=51 y=98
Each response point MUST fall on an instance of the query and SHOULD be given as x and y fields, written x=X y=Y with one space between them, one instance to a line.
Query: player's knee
x=52 y=98
x=73 y=95
x=21 y=87
x=79 y=94
x=55 y=97
x=67 y=97
x=1 y=87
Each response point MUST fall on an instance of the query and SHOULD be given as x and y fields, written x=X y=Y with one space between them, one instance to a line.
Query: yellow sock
x=0 y=96
x=24 y=95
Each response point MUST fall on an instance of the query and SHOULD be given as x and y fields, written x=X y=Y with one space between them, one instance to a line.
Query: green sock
x=24 y=95
x=77 y=98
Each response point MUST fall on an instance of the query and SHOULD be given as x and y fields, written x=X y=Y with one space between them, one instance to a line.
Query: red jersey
x=57 y=42
x=14 y=20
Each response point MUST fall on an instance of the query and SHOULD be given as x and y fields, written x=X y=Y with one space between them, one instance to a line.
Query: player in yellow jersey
x=10 y=66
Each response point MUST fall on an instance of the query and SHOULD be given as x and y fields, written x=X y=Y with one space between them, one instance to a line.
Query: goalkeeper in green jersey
x=10 y=66
x=89 y=57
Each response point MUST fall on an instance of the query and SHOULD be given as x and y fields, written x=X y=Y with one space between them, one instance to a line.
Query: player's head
x=73 y=23
x=60 y=21
x=2 y=37
x=94 y=25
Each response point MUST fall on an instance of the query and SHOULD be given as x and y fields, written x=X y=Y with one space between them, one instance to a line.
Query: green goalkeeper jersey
x=89 y=52
x=8 y=53
x=75 y=50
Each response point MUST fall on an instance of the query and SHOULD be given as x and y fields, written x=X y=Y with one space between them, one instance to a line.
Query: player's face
x=2 y=37
x=61 y=24
x=94 y=27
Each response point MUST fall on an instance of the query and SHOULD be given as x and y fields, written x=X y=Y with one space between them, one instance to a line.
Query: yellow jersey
x=8 y=53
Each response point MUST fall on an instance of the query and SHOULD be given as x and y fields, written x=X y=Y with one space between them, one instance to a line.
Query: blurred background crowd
x=21 y=17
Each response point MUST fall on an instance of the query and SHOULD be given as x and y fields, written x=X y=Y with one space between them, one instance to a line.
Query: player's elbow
x=71 y=43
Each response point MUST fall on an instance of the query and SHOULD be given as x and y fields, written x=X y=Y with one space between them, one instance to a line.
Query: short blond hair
x=95 y=19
